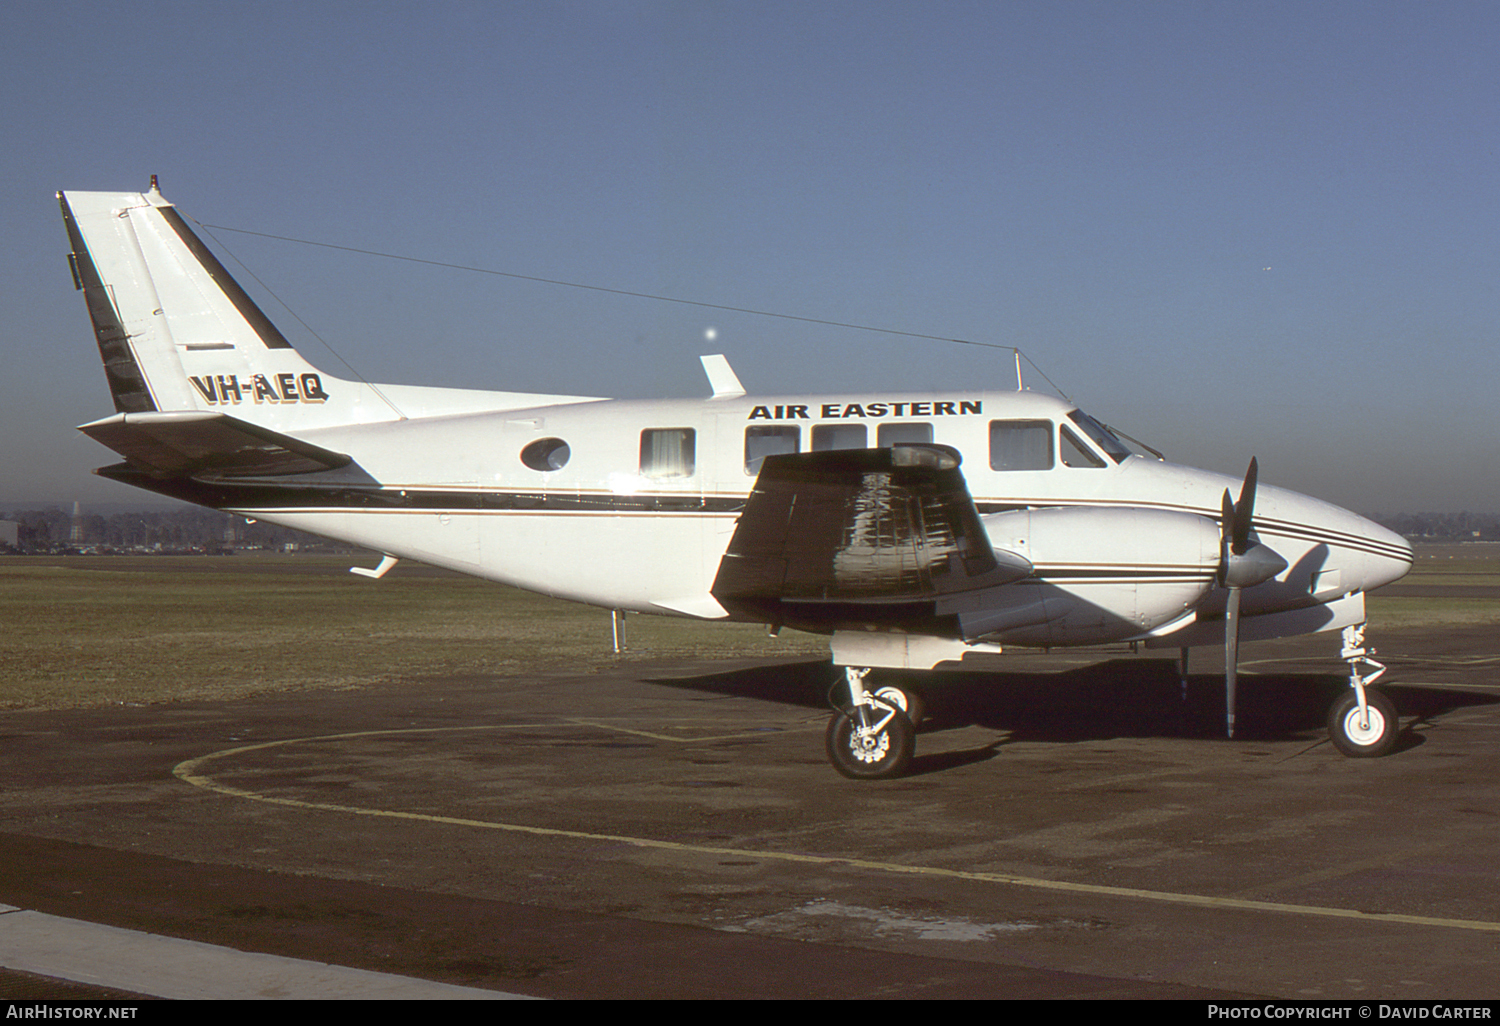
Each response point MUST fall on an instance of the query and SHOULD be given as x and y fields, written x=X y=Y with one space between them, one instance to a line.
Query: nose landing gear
x=1362 y=723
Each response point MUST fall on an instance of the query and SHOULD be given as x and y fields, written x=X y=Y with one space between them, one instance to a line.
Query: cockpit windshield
x=1101 y=436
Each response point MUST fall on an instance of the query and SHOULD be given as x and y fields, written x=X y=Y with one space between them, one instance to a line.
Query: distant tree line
x=170 y=531
x=1443 y=526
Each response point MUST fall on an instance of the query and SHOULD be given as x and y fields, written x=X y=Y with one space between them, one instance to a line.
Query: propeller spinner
x=1241 y=565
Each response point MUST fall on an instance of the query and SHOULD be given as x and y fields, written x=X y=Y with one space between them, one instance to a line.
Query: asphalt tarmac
x=1072 y=828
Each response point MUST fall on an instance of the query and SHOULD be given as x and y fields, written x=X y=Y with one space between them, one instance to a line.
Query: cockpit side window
x=1075 y=453
x=1021 y=445
x=1101 y=436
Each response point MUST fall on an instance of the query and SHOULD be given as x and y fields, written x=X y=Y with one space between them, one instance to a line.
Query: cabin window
x=667 y=452
x=546 y=454
x=762 y=441
x=1075 y=453
x=888 y=435
x=1020 y=445
x=838 y=436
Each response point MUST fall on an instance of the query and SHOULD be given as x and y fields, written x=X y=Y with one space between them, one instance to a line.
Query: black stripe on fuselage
x=294 y=498
x=280 y=496
x=1262 y=525
x=1111 y=573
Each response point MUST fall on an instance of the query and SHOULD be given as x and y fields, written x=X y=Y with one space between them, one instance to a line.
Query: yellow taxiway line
x=191 y=772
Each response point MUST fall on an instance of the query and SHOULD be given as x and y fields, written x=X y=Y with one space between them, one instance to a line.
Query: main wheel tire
x=905 y=699
x=1363 y=741
x=870 y=756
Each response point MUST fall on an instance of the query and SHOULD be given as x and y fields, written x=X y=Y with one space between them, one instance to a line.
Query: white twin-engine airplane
x=913 y=529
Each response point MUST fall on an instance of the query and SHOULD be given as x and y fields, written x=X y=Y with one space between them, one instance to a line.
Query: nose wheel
x=1363 y=734
x=1362 y=723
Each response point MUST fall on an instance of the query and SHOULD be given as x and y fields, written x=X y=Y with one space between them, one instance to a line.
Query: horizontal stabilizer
x=190 y=443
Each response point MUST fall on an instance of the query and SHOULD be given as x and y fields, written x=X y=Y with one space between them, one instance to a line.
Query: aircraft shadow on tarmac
x=1136 y=698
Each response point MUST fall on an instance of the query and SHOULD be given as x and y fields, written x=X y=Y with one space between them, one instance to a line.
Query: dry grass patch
x=79 y=632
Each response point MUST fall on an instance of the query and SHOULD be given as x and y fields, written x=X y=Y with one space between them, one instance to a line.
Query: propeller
x=1241 y=565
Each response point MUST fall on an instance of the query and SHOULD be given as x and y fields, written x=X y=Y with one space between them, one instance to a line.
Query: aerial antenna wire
x=641 y=295
x=298 y=317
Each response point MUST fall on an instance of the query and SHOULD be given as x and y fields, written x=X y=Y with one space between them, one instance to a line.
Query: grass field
x=1459 y=569
x=80 y=631
x=1449 y=562
x=85 y=631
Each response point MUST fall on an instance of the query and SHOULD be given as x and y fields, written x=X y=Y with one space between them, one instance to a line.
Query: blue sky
x=1232 y=229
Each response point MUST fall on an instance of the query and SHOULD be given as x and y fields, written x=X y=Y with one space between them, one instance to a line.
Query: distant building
x=76 y=535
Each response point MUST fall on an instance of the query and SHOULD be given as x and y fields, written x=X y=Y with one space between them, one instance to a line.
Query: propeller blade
x=1231 y=655
x=1241 y=565
x=1244 y=512
x=1226 y=531
x=1235 y=573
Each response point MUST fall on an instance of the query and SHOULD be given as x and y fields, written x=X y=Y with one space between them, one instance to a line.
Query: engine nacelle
x=1100 y=575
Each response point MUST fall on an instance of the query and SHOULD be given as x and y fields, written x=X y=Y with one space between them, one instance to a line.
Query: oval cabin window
x=546 y=454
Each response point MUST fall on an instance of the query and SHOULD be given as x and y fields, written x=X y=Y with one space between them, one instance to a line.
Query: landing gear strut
x=1362 y=724
x=871 y=738
x=905 y=699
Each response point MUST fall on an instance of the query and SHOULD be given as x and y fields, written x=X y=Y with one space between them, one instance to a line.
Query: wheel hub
x=1366 y=733
x=869 y=746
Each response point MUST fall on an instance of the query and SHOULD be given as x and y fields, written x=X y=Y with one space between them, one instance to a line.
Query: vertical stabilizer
x=177 y=332
x=119 y=332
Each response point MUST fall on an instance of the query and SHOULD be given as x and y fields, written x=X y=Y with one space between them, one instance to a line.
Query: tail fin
x=175 y=330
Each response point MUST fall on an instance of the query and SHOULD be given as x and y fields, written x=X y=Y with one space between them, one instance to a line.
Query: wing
x=859 y=537
x=190 y=443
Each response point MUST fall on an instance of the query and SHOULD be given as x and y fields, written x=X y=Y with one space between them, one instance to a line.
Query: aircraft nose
x=1357 y=554
x=1390 y=557
x=1372 y=555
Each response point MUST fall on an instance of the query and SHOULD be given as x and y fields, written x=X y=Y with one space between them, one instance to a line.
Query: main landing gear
x=1362 y=723
x=873 y=736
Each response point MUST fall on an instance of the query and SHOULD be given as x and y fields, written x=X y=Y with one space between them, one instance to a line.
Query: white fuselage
x=639 y=513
